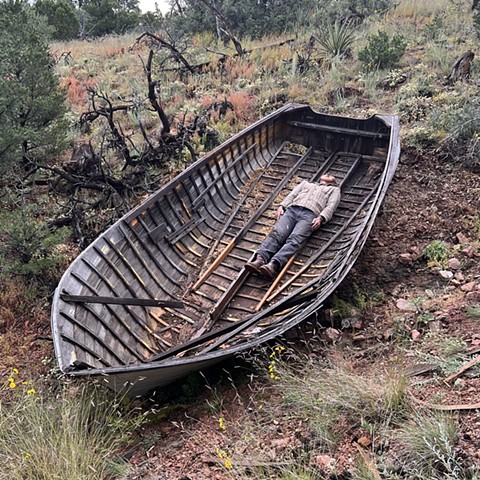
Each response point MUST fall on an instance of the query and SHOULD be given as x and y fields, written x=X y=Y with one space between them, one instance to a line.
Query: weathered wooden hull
x=163 y=292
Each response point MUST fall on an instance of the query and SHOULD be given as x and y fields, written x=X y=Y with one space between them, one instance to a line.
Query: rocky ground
x=404 y=300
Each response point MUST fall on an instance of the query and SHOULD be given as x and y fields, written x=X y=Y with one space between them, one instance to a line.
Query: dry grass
x=74 y=435
x=427 y=447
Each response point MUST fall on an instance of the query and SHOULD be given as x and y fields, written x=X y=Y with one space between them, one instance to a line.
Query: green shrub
x=28 y=246
x=427 y=447
x=433 y=30
x=382 y=52
x=436 y=253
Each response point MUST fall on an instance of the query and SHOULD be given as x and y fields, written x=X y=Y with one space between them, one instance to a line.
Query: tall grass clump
x=427 y=447
x=462 y=124
x=76 y=435
x=332 y=394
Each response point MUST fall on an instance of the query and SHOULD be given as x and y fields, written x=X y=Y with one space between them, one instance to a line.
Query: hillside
x=373 y=387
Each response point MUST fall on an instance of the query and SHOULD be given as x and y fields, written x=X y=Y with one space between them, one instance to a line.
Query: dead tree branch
x=226 y=29
x=177 y=55
x=107 y=111
x=152 y=96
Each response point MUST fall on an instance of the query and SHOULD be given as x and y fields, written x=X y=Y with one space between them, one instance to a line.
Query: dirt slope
x=428 y=200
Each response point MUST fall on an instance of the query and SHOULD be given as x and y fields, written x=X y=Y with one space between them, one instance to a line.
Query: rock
x=405 y=258
x=281 y=442
x=459 y=276
x=325 y=462
x=406 y=305
x=468 y=287
x=473 y=296
x=364 y=441
x=469 y=251
x=462 y=239
x=415 y=334
x=447 y=274
x=435 y=326
x=357 y=324
x=454 y=263
x=332 y=334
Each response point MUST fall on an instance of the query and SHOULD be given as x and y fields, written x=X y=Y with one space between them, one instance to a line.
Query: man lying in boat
x=307 y=207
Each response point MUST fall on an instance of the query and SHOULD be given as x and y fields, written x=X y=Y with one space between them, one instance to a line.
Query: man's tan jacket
x=322 y=200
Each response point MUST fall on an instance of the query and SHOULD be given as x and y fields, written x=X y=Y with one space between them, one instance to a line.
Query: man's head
x=328 y=179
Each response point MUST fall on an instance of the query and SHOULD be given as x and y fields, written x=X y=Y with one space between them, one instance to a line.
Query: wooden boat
x=163 y=292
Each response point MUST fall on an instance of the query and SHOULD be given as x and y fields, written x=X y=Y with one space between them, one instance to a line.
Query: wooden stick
x=275 y=283
x=462 y=369
x=215 y=264
x=368 y=462
x=449 y=408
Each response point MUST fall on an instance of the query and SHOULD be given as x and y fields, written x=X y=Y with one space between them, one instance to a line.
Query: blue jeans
x=288 y=235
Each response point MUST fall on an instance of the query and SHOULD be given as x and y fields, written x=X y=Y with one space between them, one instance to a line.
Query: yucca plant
x=337 y=39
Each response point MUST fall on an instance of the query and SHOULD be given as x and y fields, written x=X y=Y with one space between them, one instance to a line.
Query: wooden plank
x=347 y=131
x=143 y=302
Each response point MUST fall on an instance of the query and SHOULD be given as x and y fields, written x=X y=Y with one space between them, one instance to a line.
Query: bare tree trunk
x=461 y=67
x=153 y=97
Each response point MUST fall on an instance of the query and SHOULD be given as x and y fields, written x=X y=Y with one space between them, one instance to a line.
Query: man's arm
x=332 y=204
x=328 y=211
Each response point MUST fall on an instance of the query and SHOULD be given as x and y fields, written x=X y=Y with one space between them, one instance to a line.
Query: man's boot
x=254 y=266
x=271 y=269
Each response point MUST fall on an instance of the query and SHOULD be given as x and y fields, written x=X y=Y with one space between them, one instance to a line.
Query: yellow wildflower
x=221 y=423
x=12 y=385
x=15 y=371
x=224 y=456
x=31 y=391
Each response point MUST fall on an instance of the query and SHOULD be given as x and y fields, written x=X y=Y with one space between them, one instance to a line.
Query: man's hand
x=280 y=211
x=317 y=222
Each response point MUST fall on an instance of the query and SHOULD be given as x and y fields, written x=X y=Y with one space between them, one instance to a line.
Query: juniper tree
x=32 y=106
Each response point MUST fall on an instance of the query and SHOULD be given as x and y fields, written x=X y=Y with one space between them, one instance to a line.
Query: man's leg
x=278 y=236
x=301 y=231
